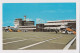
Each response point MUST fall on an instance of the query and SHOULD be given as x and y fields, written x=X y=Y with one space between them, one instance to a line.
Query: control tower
x=24 y=18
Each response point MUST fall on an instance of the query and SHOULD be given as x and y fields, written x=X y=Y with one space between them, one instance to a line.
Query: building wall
x=27 y=28
x=30 y=23
x=39 y=27
x=57 y=25
x=18 y=22
x=50 y=26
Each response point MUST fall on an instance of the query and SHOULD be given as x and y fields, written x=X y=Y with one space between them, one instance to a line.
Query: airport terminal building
x=24 y=25
x=50 y=26
x=56 y=25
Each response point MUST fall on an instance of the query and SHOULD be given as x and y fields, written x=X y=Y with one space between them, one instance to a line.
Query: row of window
x=27 y=27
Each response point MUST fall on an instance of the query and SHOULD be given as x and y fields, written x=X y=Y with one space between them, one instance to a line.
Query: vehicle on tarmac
x=69 y=31
x=10 y=29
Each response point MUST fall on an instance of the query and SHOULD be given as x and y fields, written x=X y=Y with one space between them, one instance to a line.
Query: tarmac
x=36 y=41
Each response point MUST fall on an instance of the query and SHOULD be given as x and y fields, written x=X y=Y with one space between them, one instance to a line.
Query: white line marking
x=35 y=44
x=69 y=44
x=17 y=41
x=25 y=36
x=10 y=38
x=20 y=37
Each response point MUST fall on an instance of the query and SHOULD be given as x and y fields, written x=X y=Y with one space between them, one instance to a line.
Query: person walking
x=56 y=31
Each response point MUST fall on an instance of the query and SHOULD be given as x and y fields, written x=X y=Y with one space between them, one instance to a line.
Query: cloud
x=38 y=20
x=28 y=19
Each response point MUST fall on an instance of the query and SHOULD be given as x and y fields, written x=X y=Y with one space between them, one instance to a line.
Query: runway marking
x=10 y=38
x=19 y=37
x=69 y=44
x=17 y=41
x=24 y=36
x=36 y=44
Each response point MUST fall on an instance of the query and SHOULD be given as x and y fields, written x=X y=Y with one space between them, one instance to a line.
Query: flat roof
x=61 y=20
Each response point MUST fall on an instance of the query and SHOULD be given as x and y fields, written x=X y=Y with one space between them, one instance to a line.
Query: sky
x=38 y=12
